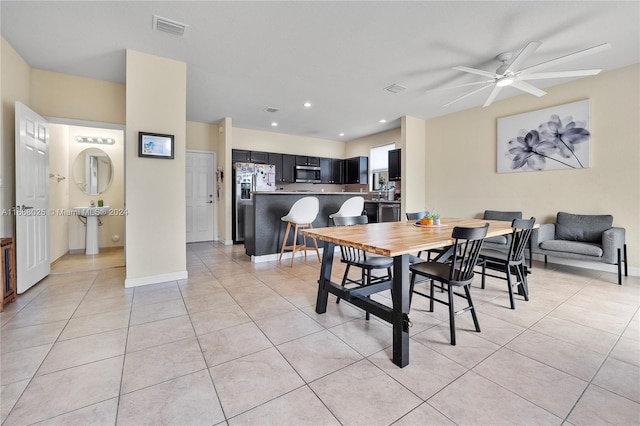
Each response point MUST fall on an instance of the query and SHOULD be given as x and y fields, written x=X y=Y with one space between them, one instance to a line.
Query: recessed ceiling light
x=383 y=121
x=307 y=104
x=341 y=134
x=274 y=124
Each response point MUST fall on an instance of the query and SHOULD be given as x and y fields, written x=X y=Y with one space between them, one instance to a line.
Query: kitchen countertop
x=366 y=200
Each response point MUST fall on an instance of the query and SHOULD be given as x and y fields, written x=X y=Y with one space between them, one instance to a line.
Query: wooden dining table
x=397 y=240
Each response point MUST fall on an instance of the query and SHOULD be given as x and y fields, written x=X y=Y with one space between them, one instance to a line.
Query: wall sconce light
x=96 y=140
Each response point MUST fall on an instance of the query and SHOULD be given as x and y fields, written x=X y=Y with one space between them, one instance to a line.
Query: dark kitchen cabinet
x=245 y=156
x=288 y=168
x=331 y=170
x=357 y=170
x=395 y=170
x=259 y=157
x=303 y=160
x=285 y=165
x=337 y=171
x=240 y=156
x=325 y=170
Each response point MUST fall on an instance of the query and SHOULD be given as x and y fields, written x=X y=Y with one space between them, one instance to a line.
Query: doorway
x=87 y=166
x=201 y=199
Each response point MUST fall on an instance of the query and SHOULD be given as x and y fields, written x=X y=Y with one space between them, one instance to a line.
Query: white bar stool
x=350 y=208
x=302 y=214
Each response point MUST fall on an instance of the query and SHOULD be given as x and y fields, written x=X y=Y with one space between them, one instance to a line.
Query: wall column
x=155 y=188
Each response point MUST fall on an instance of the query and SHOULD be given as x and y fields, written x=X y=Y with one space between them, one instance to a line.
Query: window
x=379 y=166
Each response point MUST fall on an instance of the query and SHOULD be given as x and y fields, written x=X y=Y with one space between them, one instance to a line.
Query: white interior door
x=32 y=198
x=200 y=193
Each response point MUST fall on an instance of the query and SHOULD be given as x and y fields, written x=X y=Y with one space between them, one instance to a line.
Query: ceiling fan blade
x=468 y=94
x=526 y=87
x=476 y=71
x=523 y=56
x=566 y=58
x=558 y=74
x=459 y=85
x=492 y=96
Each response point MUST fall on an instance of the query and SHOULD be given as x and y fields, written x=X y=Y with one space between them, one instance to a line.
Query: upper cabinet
x=246 y=156
x=240 y=156
x=331 y=170
x=357 y=170
x=303 y=160
x=285 y=165
x=259 y=157
x=395 y=171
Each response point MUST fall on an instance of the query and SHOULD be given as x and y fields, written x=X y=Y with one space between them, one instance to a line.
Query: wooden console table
x=8 y=272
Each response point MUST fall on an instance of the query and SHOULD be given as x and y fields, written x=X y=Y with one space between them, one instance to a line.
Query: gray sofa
x=582 y=237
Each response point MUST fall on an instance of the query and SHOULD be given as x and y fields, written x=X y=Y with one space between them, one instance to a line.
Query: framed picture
x=553 y=138
x=155 y=145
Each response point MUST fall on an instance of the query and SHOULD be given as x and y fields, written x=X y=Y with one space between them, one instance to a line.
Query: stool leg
x=295 y=240
x=284 y=242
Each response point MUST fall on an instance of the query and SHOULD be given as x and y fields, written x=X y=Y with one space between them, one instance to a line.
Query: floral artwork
x=548 y=139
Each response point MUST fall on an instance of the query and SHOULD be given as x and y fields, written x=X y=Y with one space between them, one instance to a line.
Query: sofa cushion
x=574 y=247
x=498 y=215
x=582 y=227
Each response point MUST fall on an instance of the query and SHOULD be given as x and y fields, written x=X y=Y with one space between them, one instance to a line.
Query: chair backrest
x=468 y=242
x=303 y=211
x=416 y=215
x=350 y=220
x=350 y=254
x=499 y=215
x=352 y=207
x=522 y=229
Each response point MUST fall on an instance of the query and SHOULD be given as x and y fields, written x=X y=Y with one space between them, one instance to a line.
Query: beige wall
x=224 y=164
x=14 y=87
x=287 y=144
x=202 y=136
x=155 y=188
x=460 y=161
x=67 y=96
x=112 y=225
x=413 y=166
x=59 y=191
x=362 y=146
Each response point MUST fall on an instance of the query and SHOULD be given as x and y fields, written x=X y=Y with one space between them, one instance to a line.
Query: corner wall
x=460 y=161
x=15 y=86
x=155 y=188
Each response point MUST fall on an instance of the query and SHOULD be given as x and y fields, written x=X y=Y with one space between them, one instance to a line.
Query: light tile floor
x=240 y=344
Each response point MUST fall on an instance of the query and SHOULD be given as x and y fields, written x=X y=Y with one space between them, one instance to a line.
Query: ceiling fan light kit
x=511 y=73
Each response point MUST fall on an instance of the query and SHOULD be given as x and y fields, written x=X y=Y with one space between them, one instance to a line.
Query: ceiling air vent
x=271 y=109
x=395 y=88
x=168 y=26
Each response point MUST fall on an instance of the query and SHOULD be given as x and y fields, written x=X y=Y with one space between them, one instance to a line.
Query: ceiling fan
x=511 y=74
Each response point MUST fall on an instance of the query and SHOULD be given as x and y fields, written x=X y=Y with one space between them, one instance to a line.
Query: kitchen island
x=264 y=230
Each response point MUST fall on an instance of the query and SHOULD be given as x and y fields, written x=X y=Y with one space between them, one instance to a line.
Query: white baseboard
x=225 y=242
x=287 y=255
x=155 y=279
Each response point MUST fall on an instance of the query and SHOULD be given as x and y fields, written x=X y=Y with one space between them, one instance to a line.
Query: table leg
x=325 y=277
x=400 y=316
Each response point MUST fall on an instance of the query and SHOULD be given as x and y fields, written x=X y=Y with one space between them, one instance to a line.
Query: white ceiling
x=244 y=56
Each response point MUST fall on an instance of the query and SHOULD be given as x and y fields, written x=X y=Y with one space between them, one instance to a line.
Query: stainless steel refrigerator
x=248 y=178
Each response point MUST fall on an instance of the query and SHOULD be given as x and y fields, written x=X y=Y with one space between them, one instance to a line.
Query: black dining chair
x=415 y=216
x=458 y=272
x=357 y=258
x=513 y=262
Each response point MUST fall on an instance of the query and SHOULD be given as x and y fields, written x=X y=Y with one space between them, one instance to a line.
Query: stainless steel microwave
x=307 y=174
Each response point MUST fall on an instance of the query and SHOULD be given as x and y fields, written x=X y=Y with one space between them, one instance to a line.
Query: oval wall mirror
x=93 y=171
